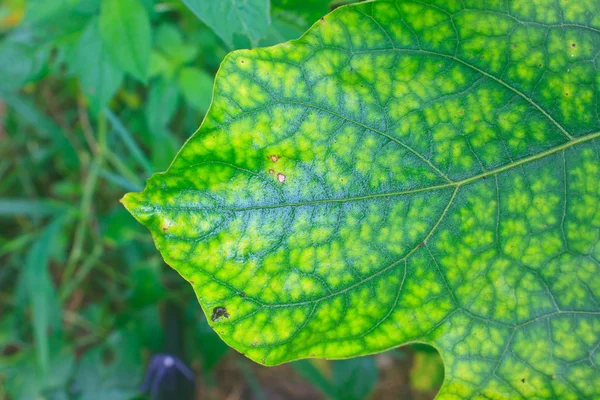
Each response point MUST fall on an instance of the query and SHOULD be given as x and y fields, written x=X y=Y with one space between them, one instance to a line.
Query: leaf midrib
x=457 y=184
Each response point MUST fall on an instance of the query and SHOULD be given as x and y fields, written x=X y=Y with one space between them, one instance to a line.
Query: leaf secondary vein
x=482 y=72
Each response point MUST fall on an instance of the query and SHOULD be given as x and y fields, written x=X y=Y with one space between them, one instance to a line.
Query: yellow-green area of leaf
x=407 y=171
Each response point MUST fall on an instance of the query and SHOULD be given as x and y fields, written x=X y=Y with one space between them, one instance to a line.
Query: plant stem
x=85 y=211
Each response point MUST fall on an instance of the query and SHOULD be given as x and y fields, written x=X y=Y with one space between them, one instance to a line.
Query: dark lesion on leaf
x=218 y=313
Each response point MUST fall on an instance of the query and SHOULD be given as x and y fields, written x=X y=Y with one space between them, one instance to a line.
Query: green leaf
x=24 y=380
x=406 y=171
x=354 y=379
x=247 y=18
x=427 y=371
x=99 y=78
x=45 y=308
x=196 y=86
x=125 y=29
x=20 y=62
x=161 y=104
x=291 y=18
x=309 y=371
x=111 y=370
x=202 y=342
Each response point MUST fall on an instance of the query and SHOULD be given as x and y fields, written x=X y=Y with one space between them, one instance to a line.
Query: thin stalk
x=85 y=211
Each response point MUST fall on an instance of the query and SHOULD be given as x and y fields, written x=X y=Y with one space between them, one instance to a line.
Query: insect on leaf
x=407 y=171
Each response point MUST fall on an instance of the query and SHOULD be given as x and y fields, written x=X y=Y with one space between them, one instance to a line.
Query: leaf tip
x=131 y=202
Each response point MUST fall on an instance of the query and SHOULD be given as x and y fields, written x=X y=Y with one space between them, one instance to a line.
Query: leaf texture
x=407 y=171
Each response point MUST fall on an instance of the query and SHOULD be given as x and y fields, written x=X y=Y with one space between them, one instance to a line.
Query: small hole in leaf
x=218 y=313
x=281 y=177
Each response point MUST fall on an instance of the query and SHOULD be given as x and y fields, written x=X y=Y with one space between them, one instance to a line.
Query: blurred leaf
x=161 y=104
x=291 y=18
x=129 y=141
x=300 y=13
x=148 y=327
x=45 y=307
x=99 y=78
x=119 y=227
x=204 y=342
x=25 y=381
x=43 y=10
x=167 y=35
x=125 y=29
x=427 y=372
x=310 y=372
x=47 y=128
x=112 y=370
x=32 y=208
x=354 y=378
x=160 y=65
x=146 y=286
x=8 y=331
x=148 y=5
x=196 y=86
x=88 y=6
x=20 y=62
x=160 y=107
x=170 y=43
x=247 y=18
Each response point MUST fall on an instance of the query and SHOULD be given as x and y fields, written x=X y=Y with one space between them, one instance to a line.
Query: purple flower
x=161 y=368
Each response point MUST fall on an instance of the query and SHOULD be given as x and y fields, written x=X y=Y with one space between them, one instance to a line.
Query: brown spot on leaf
x=271 y=172
x=274 y=158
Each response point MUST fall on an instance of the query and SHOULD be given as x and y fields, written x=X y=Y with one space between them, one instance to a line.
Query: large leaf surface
x=406 y=171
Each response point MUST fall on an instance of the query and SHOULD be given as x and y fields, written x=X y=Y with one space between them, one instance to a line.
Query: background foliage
x=95 y=95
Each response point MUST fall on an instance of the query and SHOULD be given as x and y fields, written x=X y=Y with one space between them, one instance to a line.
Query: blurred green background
x=96 y=95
